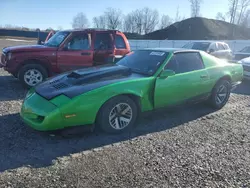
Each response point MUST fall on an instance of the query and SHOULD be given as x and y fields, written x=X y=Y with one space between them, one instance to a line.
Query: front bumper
x=40 y=114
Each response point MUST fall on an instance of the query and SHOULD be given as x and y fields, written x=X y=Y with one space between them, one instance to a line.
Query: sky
x=59 y=13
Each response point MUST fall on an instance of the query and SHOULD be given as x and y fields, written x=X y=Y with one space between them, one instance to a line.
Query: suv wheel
x=32 y=74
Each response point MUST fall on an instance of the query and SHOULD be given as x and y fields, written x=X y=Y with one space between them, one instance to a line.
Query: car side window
x=220 y=46
x=79 y=42
x=119 y=42
x=103 y=41
x=185 y=62
x=213 y=47
x=226 y=46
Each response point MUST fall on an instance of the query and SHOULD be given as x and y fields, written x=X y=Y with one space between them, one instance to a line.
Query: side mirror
x=167 y=73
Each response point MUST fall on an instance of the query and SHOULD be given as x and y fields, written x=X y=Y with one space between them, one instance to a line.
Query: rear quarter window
x=119 y=42
x=226 y=46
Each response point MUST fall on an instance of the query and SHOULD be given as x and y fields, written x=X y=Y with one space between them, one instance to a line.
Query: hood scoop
x=103 y=75
x=58 y=84
x=81 y=80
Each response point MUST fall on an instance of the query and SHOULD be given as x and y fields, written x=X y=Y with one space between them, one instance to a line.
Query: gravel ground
x=190 y=146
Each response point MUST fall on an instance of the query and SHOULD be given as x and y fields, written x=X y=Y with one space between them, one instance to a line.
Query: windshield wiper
x=138 y=71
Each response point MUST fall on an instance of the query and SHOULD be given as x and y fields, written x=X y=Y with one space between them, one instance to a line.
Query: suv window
x=213 y=47
x=119 y=42
x=185 y=62
x=220 y=46
x=79 y=42
x=226 y=46
x=103 y=41
x=197 y=45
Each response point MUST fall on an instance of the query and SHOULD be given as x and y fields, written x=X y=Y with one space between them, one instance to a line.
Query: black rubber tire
x=212 y=99
x=27 y=67
x=102 y=122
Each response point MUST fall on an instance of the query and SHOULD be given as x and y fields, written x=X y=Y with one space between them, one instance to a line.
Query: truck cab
x=66 y=50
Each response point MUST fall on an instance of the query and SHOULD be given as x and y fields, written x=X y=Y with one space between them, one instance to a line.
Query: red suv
x=64 y=51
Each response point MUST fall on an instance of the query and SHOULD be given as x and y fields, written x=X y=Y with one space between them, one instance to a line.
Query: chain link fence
x=235 y=45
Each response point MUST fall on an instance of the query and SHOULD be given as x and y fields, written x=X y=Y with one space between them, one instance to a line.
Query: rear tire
x=117 y=115
x=32 y=74
x=220 y=94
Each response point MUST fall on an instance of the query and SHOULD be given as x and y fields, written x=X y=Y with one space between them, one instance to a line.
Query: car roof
x=90 y=29
x=207 y=41
x=171 y=50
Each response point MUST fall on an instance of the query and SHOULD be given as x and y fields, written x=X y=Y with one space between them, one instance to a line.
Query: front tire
x=117 y=115
x=220 y=94
x=32 y=74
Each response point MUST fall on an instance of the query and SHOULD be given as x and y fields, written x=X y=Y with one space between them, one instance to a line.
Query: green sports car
x=112 y=96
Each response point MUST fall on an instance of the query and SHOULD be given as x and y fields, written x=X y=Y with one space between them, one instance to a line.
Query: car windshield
x=144 y=61
x=246 y=49
x=57 y=39
x=197 y=45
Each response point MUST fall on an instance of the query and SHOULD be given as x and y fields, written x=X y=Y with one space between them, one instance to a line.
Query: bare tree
x=9 y=26
x=129 y=23
x=195 y=7
x=165 y=21
x=150 y=19
x=133 y=22
x=141 y=21
x=100 y=22
x=233 y=7
x=177 y=15
x=80 y=21
x=113 y=18
x=246 y=19
x=138 y=16
x=220 y=16
x=243 y=5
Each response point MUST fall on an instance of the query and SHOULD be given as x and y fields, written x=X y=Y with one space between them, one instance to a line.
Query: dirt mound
x=199 y=29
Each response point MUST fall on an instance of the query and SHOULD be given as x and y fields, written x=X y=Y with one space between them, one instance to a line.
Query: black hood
x=80 y=81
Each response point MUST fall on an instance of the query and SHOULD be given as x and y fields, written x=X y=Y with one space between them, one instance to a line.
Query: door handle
x=203 y=76
x=85 y=53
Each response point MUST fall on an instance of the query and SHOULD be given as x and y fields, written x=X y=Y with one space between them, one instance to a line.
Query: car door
x=75 y=53
x=103 y=47
x=222 y=52
x=189 y=82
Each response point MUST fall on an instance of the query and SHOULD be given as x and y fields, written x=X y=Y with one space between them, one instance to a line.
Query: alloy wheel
x=120 y=116
x=33 y=77
x=221 y=94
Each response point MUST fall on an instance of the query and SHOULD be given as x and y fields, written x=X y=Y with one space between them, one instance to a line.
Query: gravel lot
x=190 y=146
